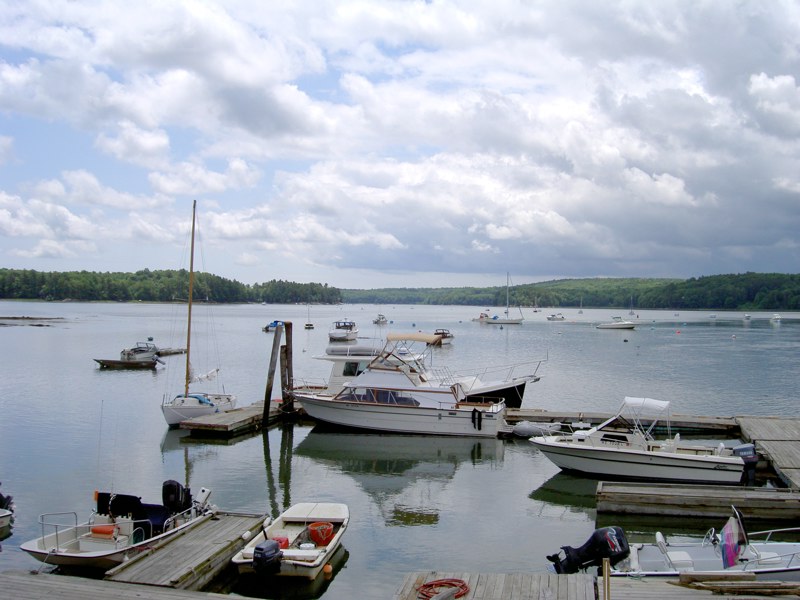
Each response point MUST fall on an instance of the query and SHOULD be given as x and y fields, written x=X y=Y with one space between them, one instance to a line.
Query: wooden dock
x=512 y=586
x=778 y=440
x=548 y=586
x=233 y=422
x=44 y=586
x=190 y=560
x=689 y=424
x=697 y=500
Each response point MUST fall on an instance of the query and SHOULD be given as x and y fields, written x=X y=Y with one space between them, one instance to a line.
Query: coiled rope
x=429 y=589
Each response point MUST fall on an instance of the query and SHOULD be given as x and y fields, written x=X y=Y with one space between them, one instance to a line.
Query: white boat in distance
x=617 y=323
x=299 y=543
x=120 y=527
x=507 y=319
x=392 y=394
x=343 y=331
x=729 y=551
x=506 y=382
x=193 y=404
x=621 y=447
x=556 y=317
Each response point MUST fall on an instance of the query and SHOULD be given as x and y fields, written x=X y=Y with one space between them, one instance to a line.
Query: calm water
x=68 y=428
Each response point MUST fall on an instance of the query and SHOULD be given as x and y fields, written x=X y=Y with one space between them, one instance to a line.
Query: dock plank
x=232 y=422
x=508 y=586
x=190 y=560
x=697 y=500
x=45 y=586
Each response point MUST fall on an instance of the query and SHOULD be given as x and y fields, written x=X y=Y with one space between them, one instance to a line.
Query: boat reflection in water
x=578 y=494
x=393 y=468
x=273 y=586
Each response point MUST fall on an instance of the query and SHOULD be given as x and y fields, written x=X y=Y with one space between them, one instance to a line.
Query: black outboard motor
x=7 y=502
x=607 y=542
x=175 y=497
x=267 y=558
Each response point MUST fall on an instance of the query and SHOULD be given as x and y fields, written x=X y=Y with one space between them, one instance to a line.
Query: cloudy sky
x=401 y=143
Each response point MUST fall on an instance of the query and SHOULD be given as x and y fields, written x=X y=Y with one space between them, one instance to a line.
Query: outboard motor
x=267 y=558
x=606 y=542
x=175 y=497
x=748 y=454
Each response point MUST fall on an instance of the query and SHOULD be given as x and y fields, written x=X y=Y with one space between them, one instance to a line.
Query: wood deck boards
x=508 y=586
x=45 y=586
x=697 y=500
x=192 y=559
x=231 y=422
x=777 y=439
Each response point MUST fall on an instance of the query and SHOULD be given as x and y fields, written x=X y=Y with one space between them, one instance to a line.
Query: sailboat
x=193 y=404
x=580 y=310
x=507 y=319
x=309 y=324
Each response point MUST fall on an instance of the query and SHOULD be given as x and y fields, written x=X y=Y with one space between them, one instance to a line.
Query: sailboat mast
x=191 y=292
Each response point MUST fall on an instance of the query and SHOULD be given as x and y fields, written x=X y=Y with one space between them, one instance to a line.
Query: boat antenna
x=191 y=290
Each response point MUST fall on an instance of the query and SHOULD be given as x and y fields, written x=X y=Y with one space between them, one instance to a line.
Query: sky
x=369 y=144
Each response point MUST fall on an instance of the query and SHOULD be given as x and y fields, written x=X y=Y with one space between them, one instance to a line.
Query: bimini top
x=645 y=405
x=428 y=338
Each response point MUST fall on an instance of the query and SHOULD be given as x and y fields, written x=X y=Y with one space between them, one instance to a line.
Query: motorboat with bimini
x=392 y=394
x=120 y=527
x=727 y=552
x=414 y=349
x=298 y=543
x=616 y=323
x=190 y=403
x=380 y=320
x=623 y=447
x=343 y=331
x=556 y=317
x=445 y=336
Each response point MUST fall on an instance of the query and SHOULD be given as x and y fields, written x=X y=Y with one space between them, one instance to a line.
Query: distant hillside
x=748 y=291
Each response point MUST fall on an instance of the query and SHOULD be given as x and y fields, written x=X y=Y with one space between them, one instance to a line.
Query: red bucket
x=321 y=533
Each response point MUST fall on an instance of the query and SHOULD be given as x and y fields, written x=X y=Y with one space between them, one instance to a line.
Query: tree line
x=156 y=286
x=746 y=291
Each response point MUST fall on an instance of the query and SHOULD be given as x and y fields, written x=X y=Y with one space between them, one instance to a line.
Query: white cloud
x=364 y=137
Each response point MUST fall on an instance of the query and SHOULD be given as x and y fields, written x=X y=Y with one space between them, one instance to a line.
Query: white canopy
x=645 y=405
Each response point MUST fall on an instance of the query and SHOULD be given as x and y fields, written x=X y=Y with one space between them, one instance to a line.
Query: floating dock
x=697 y=500
x=191 y=559
x=231 y=423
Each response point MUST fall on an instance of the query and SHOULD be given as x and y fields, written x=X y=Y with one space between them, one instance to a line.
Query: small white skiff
x=299 y=543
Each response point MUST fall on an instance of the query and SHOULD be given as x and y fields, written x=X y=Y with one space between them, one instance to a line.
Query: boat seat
x=677 y=559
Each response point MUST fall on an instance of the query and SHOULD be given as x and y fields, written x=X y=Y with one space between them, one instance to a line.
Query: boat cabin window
x=379 y=396
x=353 y=368
x=615 y=438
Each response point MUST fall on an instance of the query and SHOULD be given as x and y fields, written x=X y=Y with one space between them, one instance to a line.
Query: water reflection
x=285 y=588
x=565 y=489
x=387 y=466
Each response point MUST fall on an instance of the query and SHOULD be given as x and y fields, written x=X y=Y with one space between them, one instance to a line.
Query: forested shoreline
x=746 y=291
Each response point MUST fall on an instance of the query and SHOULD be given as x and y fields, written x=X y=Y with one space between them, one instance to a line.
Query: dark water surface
x=68 y=428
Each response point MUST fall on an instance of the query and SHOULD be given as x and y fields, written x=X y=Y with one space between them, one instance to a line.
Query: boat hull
x=294 y=523
x=182 y=408
x=72 y=547
x=647 y=560
x=638 y=464
x=104 y=363
x=472 y=420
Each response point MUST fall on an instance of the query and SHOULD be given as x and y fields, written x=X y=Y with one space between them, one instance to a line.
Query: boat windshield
x=377 y=396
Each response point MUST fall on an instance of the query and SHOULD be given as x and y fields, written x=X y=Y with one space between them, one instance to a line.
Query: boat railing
x=767 y=534
x=524 y=370
x=45 y=523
